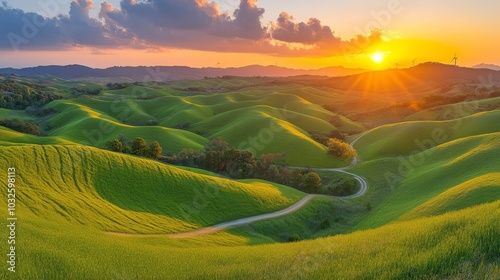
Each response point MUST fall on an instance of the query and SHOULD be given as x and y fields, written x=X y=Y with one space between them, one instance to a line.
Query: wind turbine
x=397 y=65
x=413 y=61
x=455 y=58
x=218 y=64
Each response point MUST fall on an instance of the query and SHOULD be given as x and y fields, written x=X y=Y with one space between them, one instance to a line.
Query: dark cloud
x=190 y=24
x=285 y=29
x=172 y=21
x=246 y=21
x=81 y=29
x=20 y=30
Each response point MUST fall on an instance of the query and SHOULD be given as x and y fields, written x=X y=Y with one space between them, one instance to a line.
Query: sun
x=377 y=57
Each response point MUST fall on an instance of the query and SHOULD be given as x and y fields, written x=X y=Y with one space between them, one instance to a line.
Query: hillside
x=417 y=136
x=450 y=176
x=115 y=192
x=65 y=213
x=412 y=80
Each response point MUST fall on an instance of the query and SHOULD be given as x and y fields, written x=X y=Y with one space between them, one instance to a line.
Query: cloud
x=19 y=29
x=26 y=30
x=188 y=24
x=285 y=29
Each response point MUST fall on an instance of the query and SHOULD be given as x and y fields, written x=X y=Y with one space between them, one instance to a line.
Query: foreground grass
x=461 y=244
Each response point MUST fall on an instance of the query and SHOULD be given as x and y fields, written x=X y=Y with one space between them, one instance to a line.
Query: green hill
x=279 y=122
x=451 y=176
x=115 y=192
x=413 y=137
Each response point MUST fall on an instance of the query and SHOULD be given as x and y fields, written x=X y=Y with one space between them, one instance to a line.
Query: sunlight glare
x=377 y=57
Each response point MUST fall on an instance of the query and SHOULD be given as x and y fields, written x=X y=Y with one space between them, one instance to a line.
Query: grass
x=462 y=244
x=446 y=173
x=278 y=122
x=413 y=137
x=120 y=193
x=435 y=209
x=11 y=137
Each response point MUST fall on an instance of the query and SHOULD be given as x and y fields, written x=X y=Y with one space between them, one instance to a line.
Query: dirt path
x=299 y=204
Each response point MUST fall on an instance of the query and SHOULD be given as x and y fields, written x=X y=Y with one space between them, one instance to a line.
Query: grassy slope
x=11 y=137
x=412 y=137
x=463 y=244
x=458 y=110
x=61 y=219
x=237 y=116
x=458 y=174
x=115 y=192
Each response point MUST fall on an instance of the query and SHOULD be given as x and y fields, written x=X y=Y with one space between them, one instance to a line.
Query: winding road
x=299 y=204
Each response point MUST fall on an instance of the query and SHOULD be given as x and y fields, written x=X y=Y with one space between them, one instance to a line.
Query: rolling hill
x=114 y=192
x=65 y=214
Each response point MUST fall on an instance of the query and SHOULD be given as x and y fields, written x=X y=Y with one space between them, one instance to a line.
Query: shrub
x=293 y=237
x=340 y=149
x=155 y=150
x=139 y=146
x=312 y=182
x=21 y=126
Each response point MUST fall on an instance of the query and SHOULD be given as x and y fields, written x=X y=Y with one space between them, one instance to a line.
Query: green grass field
x=458 y=174
x=120 y=193
x=272 y=123
x=431 y=210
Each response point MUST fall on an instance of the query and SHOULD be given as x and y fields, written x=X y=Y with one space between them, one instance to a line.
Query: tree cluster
x=21 y=126
x=240 y=164
x=340 y=149
x=113 y=86
x=323 y=138
x=137 y=147
x=86 y=90
x=19 y=96
x=343 y=187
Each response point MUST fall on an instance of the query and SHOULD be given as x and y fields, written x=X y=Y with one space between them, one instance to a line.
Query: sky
x=373 y=34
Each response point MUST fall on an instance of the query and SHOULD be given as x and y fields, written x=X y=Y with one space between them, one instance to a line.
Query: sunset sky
x=373 y=34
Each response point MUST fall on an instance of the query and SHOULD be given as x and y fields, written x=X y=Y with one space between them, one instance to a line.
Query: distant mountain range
x=487 y=66
x=169 y=73
x=426 y=75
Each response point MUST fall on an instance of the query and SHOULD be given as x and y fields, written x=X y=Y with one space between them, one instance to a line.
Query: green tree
x=115 y=145
x=139 y=146
x=312 y=182
x=340 y=149
x=218 y=145
x=155 y=150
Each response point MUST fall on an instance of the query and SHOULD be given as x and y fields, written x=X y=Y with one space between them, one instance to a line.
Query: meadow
x=431 y=210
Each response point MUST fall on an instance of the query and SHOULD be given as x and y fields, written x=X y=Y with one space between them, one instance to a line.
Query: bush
x=340 y=149
x=324 y=224
x=344 y=187
x=312 y=182
x=155 y=150
x=139 y=146
x=293 y=237
x=21 y=126
x=115 y=145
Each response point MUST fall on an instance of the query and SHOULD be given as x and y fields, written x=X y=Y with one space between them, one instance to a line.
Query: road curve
x=299 y=204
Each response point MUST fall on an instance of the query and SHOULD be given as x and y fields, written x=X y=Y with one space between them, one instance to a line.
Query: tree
x=139 y=146
x=218 y=145
x=297 y=179
x=155 y=150
x=115 y=145
x=336 y=134
x=125 y=143
x=312 y=182
x=340 y=149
